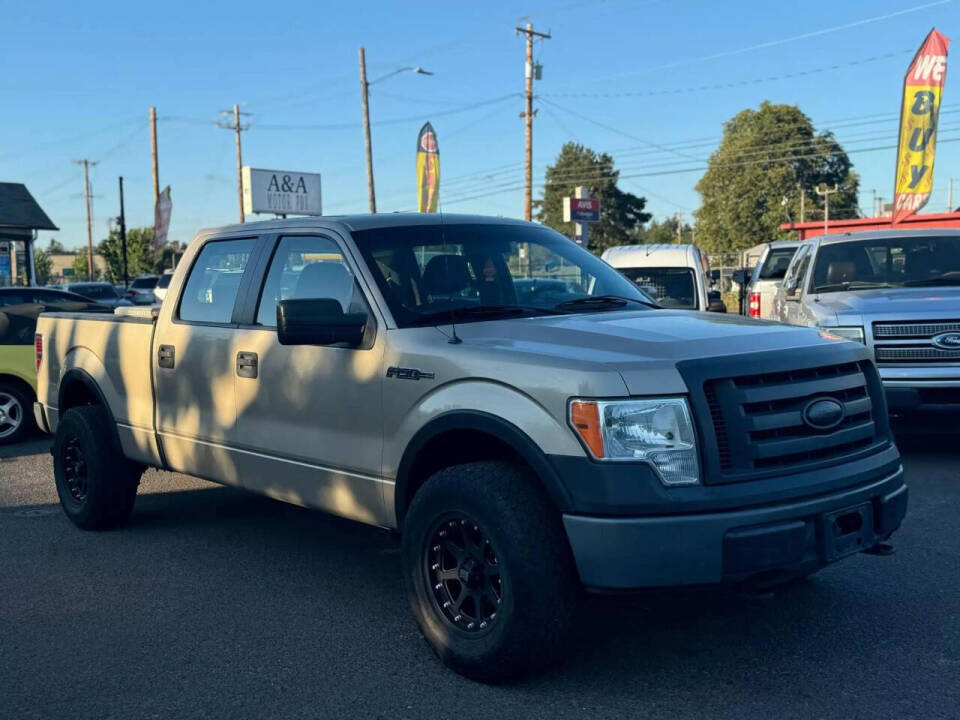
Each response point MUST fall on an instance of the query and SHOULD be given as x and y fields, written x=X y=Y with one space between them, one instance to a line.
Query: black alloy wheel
x=75 y=469
x=462 y=572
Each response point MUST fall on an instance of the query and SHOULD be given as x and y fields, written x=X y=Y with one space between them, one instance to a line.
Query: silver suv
x=507 y=401
x=898 y=293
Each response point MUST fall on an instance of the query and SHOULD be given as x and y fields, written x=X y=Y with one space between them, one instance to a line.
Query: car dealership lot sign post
x=281 y=192
x=581 y=210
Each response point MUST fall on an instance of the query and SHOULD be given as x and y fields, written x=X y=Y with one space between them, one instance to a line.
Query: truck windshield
x=888 y=262
x=473 y=272
x=671 y=287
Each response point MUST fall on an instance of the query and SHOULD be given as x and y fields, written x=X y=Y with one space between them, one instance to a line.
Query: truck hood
x=904 y=303
x=636 y=343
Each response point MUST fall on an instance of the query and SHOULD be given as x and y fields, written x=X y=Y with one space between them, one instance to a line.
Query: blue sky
x=624 y=77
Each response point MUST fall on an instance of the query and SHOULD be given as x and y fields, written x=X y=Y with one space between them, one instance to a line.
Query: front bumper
x=41 y=417
x=703 y=548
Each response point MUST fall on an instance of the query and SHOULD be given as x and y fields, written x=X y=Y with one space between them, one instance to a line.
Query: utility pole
x=679 y=218
x=529 y=72
x=237 y=128
x=803 y=202
x=365 y=102
x=153 y=155
x=825 y=192
x=950 y=196
x=86 y=194
x=122 y=220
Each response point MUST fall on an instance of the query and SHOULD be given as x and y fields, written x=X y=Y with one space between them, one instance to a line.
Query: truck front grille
x=912 y=342
x=759 y=426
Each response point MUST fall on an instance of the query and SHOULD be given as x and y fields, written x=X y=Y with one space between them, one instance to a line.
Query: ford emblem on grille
x=947 y=341
x=823 y=413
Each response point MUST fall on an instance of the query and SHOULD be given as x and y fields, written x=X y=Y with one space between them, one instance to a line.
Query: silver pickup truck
x=526 y=443
x=898 y=293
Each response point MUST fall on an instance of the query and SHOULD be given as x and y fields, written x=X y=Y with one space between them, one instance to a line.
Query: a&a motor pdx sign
x=281 y=192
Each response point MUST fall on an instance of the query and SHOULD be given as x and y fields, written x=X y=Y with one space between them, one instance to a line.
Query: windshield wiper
x=476 y=311
x=948 y=279
x=855 y=285
x=599 y=302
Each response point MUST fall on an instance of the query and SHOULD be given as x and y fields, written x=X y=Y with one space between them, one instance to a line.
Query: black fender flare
x=86 y=379
x=492 y=425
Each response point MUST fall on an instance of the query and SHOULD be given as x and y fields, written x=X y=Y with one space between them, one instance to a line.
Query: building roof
x=19 y=210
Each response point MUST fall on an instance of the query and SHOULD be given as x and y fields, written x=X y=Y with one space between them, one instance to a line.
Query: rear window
x=164 y=281
x=144 y=283
x=214 y=281
x=775 y=266
x=670 y=287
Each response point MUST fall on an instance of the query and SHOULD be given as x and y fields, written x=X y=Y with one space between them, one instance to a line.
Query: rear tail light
x=38 y=349
x=755 y=305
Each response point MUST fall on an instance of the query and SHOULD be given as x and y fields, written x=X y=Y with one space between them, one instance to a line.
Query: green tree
x=621 y=213
x=753 y=180
x=55 y=247
x=665 y=231
x=141 y=257
x=81 y=270
x=42 y=266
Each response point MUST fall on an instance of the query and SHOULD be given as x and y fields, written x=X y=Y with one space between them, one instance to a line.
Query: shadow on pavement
x=35 y=444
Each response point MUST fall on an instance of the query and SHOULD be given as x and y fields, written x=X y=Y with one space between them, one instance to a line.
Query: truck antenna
x=454 y=339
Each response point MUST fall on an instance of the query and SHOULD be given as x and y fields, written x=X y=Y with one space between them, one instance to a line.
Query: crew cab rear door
x=194 y=363
x=310 y=415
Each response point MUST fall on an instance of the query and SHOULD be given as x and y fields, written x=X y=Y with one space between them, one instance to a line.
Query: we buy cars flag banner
x=919 y=111
x=428 y=170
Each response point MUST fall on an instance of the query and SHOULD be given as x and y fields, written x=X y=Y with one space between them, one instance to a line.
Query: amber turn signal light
x=585 y=418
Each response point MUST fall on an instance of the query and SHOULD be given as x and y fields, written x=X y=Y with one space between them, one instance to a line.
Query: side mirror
x=739 y=276
x=318 y=322
x=791 y=289
x=715 y=302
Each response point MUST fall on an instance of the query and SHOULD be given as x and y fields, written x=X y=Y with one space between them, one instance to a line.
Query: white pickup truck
x=508 y=401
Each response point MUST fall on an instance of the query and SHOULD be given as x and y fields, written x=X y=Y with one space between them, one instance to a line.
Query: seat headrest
x=325 y=280
x=840 y=271
x=445 y=275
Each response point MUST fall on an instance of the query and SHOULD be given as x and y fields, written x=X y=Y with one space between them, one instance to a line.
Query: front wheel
x=489 y=573
x=96 y=484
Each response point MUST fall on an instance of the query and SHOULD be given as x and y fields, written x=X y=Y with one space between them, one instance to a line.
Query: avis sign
x=281 y=192
x=582 y=210
x=919 y=113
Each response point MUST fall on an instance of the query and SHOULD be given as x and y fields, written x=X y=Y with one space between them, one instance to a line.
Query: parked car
x=898 y=293
x=19 y=308
x=523 y=451
x=676 y=276
x=160 y=291
x=140 y=291
x=101 y=292
x=766 y=278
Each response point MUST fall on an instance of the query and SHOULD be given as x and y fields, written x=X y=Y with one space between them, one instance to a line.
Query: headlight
x=657 y=430
x=851 y=332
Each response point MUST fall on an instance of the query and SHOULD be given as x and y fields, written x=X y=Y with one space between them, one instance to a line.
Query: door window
x=308 y=267
x=214 y=281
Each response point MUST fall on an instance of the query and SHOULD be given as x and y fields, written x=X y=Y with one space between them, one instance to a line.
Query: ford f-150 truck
x=382 y=368
x=895 y=291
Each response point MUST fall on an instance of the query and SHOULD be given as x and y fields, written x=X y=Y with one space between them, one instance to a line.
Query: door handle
x=247 y=364
x=166 y=355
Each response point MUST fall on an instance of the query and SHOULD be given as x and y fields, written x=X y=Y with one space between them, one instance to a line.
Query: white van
x=676 y=276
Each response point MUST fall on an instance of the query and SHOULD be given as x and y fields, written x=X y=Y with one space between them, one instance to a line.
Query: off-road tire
x=540 y=589
x=97 y=485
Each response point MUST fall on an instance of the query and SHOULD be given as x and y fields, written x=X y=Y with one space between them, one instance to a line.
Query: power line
x=738 y=83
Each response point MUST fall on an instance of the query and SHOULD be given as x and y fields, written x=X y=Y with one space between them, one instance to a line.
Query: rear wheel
x=489 y=573
x=16 y=418
x=97 y=485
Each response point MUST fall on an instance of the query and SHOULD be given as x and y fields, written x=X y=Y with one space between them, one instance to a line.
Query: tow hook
x=881 y=548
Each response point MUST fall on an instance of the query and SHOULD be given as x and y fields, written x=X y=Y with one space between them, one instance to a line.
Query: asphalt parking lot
x=216 y=603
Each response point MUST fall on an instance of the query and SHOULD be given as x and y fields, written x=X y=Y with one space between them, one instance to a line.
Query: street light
x=365 y=88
